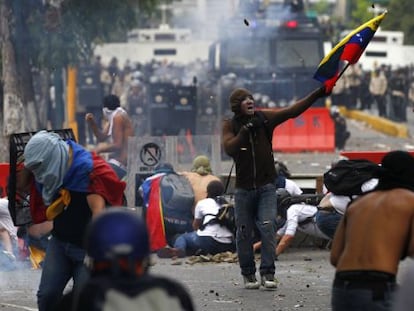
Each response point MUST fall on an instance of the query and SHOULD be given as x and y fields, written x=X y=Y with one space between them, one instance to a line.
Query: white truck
x=161 y=44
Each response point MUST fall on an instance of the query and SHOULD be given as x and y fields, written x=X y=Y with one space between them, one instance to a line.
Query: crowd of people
x=76 y=186
x=383 y=91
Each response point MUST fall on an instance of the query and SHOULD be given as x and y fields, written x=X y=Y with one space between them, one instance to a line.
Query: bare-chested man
x=373 y=236
x=115 y=133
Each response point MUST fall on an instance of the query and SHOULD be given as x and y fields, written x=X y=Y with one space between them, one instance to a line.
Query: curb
x=378 y=123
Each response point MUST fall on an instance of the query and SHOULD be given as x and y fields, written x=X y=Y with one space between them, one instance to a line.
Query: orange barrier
x=313 y=130
x=374 y=156
x=4 y=176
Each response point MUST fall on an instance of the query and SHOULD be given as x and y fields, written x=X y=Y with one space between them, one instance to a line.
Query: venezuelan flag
x=349 y=49
x=154 y=212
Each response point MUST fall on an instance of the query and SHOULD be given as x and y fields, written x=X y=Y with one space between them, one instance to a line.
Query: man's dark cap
x=236 y=98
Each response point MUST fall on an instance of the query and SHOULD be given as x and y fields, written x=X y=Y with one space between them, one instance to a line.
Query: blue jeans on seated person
x=63 y=261
x=193 y=244
x=327 y=222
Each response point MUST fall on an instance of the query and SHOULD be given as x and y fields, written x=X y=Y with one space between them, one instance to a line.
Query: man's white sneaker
x=268 y=281
x=250 y=282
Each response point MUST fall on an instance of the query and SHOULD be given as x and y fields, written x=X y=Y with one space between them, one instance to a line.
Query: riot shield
x=184 y=109
x=160 y=111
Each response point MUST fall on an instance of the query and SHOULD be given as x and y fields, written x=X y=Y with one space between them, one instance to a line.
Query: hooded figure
x=60 y=166
x=47 y=156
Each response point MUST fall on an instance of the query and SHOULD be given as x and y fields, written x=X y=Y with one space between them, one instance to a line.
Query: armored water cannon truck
x=273 y=50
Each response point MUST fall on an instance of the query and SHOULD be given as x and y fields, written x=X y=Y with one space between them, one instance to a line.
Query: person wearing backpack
x=118 y=257
x=344 y=182
x=247 y=138
x=168 y=202
x=209 y=235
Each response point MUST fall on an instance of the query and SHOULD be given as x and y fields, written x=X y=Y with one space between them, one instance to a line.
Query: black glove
x=253 y=123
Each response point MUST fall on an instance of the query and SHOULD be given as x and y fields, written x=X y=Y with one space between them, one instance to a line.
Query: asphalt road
x=304 y=283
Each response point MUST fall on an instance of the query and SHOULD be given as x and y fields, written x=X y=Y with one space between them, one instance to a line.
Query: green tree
x=47 y=36
x=67 y=34
x=361 y=11
x=400 y=18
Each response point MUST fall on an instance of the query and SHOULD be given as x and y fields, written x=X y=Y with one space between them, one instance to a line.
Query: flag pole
x=343 y=70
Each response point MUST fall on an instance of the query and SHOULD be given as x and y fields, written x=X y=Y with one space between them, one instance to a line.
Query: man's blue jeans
x=256 y=207
x=344 y=299
x=63 y=261
x=192 y=243
x=327 y=222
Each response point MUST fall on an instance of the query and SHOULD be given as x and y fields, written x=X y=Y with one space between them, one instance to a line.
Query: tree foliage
x=43 y=35
x=399 y=15
x=400 y=18
x=66 y=34
x=361 y=12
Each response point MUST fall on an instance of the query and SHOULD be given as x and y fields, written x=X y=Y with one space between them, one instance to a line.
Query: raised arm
x=280 y=115
x=117 y=136
x=101 y=135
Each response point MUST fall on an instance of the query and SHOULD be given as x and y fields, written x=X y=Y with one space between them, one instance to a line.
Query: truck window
x=297 y=53
x=247 y=53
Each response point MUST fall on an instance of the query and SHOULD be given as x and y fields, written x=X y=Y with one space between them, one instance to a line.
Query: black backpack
x=285 y=200
x=347 y=176
x=225 y=216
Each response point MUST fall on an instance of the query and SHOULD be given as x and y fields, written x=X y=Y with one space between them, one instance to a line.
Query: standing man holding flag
x=247 y=138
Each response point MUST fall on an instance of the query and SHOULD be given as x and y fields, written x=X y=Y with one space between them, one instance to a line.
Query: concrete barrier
x=380 y=124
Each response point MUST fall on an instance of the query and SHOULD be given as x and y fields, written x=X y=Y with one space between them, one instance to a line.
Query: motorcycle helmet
x=117 y=233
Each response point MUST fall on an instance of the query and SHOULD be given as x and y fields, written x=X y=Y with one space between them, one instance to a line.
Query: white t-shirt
x=340 y=202
x=292 y=187
x=297 y=213
x=217 y=232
